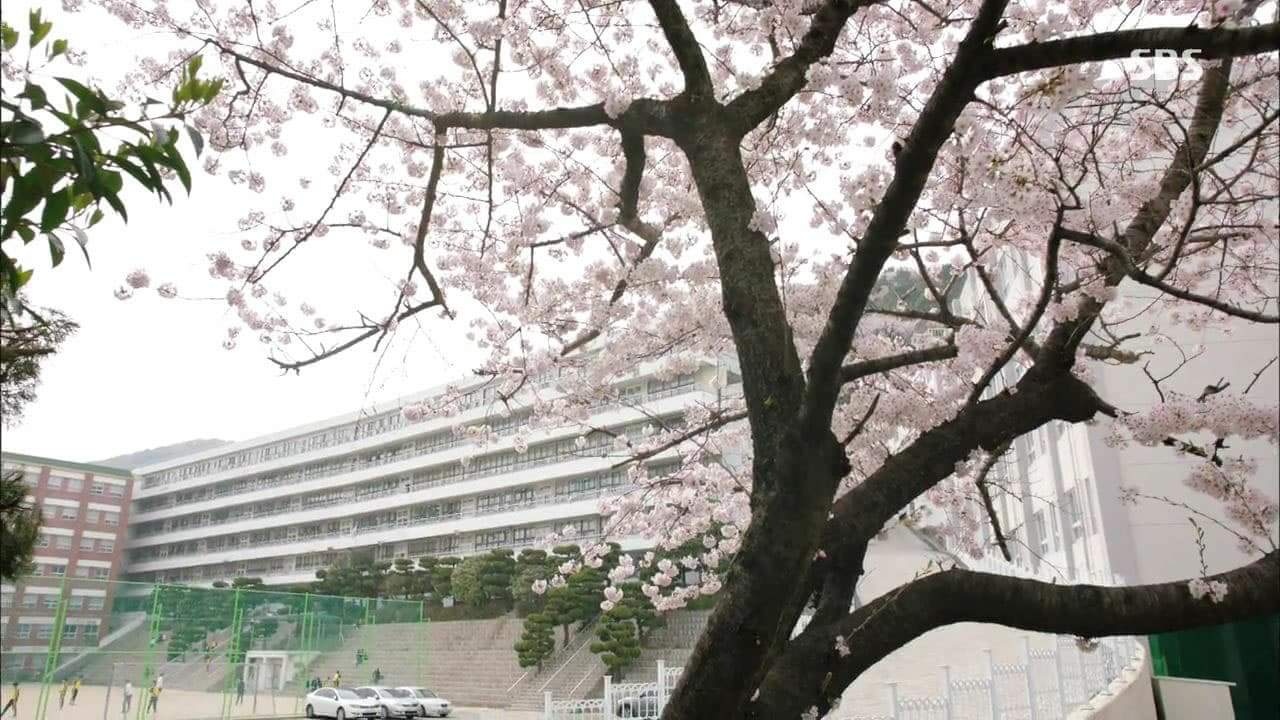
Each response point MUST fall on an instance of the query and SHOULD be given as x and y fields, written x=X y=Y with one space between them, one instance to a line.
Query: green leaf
x=55 y=210
x=26 y=233
x=90 y=99
x=39 y=28
x=180 y=167
x=59 y=47
x=82 y=239
x=27 y=193
x=35 y=94
x=197 y=140
x=56 y=249
x=95 y=218
x=8 y=36
x=25 y=132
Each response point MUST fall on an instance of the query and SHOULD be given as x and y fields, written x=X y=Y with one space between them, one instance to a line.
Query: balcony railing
x=358 y=530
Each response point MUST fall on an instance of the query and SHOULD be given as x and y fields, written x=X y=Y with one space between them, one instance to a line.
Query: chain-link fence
x=84 y=649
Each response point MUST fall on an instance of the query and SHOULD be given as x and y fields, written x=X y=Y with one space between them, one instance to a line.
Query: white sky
x=149 y=372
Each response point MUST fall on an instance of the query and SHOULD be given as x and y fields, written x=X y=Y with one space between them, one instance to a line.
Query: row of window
x=435 y=442
x=60 y=570
x=366 y=427
x=107 y=518
x=87 y=633
x=587 y=529
x=49 y=601
x=87 y=544
x=593 y=444
x=580 y=488
x=75 y=485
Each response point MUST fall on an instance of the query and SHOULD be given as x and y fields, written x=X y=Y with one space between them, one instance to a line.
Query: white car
x=340 y=704
x=392 y=702
x=432 y=704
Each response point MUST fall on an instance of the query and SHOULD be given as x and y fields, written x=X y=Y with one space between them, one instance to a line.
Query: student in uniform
x=128 y=697
x=154 y=698
x=75 y=690
x=62 y=692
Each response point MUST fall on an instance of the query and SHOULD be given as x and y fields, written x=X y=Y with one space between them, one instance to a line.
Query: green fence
x=84 y=649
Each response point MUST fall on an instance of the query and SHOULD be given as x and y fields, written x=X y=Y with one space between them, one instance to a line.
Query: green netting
x=210 y=652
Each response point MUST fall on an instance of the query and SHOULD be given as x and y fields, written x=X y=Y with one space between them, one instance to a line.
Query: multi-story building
x=282 y=506
x=81 y=545
x=1065 y=482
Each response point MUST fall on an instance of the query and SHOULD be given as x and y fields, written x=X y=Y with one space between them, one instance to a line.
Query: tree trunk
x=794 y=472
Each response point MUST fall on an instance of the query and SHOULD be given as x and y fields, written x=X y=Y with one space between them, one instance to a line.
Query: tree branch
x=697 y=79
x=1212 y=43
x=863 y=368
x=788 y=76
x=957 y=595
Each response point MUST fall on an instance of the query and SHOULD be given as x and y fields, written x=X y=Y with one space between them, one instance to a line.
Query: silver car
x=432 y=704
x=393 y=702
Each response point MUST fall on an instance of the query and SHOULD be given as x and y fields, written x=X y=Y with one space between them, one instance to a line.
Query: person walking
x=13 y=701
x=128 y=698
x=153 y=701
x=337 y=678
x=239 y=690
x=62 y=692
x=377 y=675
x=75 y=690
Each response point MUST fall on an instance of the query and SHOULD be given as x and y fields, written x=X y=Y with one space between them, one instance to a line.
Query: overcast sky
x=149 y=372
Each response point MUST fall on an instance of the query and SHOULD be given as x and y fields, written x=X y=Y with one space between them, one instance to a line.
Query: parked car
x=340 y=704
x=392 y=702
x=432 y=704
x=642 y=706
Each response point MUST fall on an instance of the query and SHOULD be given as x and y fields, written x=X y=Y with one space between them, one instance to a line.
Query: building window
x=49 y=602
x=115 y=490
x=69 y=513
x=69 y=632
x=24 y=631
x=28 y=601
x=58 y=570
x=44 y=632
x=95 y=603
x=37 y=569
x=99 y=573
x=97 y=488
x=91 y=517
x=74 y=485
x=62 y=542
x=112 y=519
x=54 y=482
x=1041 y=529
x=42 y=541
x=48 y=512
x=6 y=602
x=1071 y=505
x=86 y=544
x=106 y=546
x=75 y=602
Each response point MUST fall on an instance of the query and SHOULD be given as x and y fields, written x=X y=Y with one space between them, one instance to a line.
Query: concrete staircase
x=570 y=674
x=469 y=662
x=672 y=643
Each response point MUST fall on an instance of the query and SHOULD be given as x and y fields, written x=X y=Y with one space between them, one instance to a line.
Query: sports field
x=93 y=703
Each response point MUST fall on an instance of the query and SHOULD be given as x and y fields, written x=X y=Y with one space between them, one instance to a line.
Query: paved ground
x=93 y=703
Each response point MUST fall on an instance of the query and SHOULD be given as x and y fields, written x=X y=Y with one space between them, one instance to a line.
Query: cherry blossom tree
x=595 y=185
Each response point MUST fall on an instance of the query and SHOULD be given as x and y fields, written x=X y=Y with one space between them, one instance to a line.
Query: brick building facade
x=85 y=512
